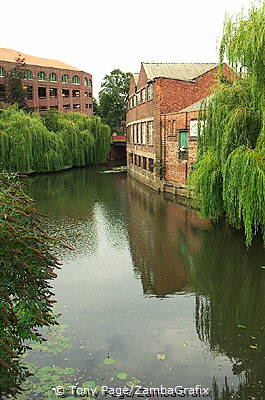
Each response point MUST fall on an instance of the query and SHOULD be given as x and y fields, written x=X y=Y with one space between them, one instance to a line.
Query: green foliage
x=30 y=143
x=229 y=176
x=27 y=267
x=112 y=97
x=14 y=91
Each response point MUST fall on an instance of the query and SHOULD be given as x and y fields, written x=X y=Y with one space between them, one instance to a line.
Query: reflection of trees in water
x=230 y=313
x=155 y=227
x=70 y=199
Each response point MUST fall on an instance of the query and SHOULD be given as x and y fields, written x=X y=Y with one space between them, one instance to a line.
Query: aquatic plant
x=56 y=141
x=229 y=175
x=27 y=267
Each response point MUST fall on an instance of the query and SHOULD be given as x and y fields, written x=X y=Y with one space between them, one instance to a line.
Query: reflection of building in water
x=156 y=230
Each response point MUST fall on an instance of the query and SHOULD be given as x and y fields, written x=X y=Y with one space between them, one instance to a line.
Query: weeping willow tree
x=229 y=175
x=56 y=141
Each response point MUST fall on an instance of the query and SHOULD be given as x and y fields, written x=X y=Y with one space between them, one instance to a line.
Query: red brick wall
x=59 y=101
x=176 y=170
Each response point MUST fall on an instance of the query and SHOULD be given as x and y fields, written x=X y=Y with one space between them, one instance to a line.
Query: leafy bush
x=27 y=267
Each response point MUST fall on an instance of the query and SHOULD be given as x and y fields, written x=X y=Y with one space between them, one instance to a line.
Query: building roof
x=196 y=106
x=181 y=71
x=11 y=56
x=135 y=77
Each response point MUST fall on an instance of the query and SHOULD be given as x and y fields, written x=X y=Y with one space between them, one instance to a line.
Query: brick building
x=157 y=95
x=49 y=84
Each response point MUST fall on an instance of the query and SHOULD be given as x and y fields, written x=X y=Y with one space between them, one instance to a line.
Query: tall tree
x=229 y=176
x=15 y=93
x=112 y=98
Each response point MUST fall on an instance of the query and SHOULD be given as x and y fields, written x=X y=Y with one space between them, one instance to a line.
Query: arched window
x=76 y=80
x=28 y=75
x=15 y=73
x=2 y=72
x=65 y=78
x=41 y=76
x=90 y=83
x=86 y=83
x=53 y=77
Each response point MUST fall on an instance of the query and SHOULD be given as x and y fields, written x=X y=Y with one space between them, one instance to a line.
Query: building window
x=42 y=92
x=42 y=109
x=90 y=83
x=66 y=106
x=53 y=92
x=144 y=162
x=144 y=133
x=76 y=93
x=53 y=77
x=90 y=94
x=28 y=75
x=76 y=106
x=76 y=80
x=41 y=76
x=2 y=72
x=65 y=78
x=150 y=91
x=138 y=98
x=194 y=128
x=150 y=164
x=29 y=92
x=90 y=105
x=53 y=107
x=139 y=134
x=65 y=92
x=150 y=132
x=2 y=92
x=86 y=105
x=86 y=82
x=183 y=139
x=143 y=95
x=15 y=73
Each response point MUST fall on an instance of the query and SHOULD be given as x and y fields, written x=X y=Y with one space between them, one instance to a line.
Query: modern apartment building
x=49 y=84
x=157 y=91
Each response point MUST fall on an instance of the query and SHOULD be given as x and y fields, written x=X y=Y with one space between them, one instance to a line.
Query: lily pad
x=122 y=375
x=109 y=361
x=160 y=356
x=133 y=382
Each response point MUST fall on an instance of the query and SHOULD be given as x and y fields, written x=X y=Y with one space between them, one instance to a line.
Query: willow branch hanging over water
x=56 y=141
x=229 y=175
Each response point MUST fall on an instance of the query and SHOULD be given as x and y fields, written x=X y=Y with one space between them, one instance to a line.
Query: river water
x=172 y=299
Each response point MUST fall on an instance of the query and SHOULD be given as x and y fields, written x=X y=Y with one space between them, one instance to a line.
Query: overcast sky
x=98 y=36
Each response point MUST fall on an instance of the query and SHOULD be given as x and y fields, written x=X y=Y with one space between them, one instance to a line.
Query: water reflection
x=230 y=313
x=211 y=321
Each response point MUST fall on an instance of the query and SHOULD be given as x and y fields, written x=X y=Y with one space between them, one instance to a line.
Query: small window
x=2 y=72
x=90 y=105
x=89 y=82
x=150 y=132
x=194 y=128
x=143 y=96
x=144 y=163
x=53 y=92
x=90 y=94
x=65 y=92
x=76 y=105
x=53 y=107
x=28 y=75
x=66 y=106
x=86 y=105
x=42 y=92
x=144 y=133
x=76 y=93
x=183 y=139
x=86 y=94
x=42 y=109
x=150 y=92
x=150 y=164
x=76 y=80
x=15 y=73
x=65 y=78
x=29 y=92
x=53 y=77
x=86 y=82
x=2 y=92
x=41 y=76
